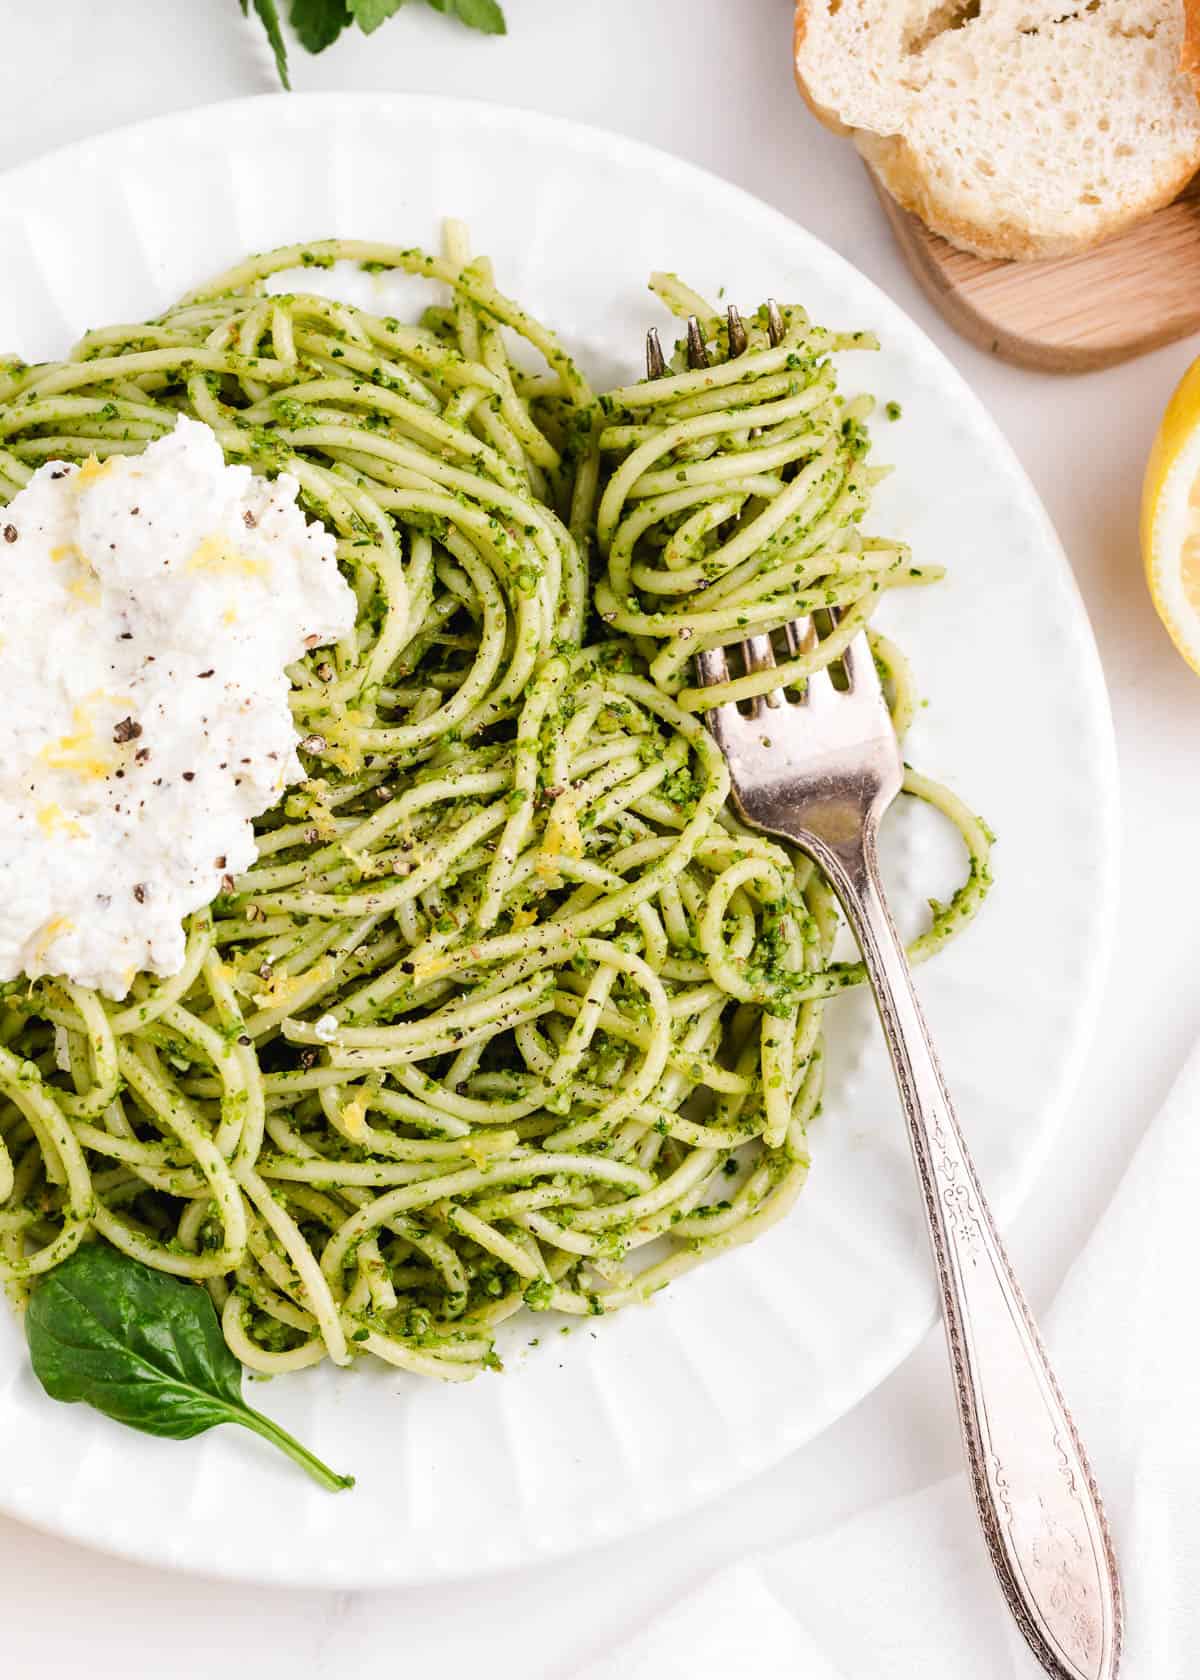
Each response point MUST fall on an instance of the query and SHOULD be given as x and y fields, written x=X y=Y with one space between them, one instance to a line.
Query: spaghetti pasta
x=511 y=1011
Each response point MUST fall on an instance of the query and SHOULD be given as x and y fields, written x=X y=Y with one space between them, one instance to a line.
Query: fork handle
x=1034 y=1491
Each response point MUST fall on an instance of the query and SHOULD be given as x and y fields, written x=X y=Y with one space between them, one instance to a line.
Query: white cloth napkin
x=904 y=1591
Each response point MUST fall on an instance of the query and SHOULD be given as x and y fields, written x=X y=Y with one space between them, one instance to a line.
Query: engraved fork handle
x=1034 y=1491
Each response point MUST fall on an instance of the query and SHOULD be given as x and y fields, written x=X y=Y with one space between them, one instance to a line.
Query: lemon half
x=1171 y=518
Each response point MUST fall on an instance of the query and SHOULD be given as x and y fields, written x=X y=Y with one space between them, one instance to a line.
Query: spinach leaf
x=145 y=1349
x=318 y=23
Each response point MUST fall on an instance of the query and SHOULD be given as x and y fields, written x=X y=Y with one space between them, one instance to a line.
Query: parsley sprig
x=318 y=23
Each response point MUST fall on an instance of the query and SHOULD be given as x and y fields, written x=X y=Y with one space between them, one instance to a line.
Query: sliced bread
x=1016 y=128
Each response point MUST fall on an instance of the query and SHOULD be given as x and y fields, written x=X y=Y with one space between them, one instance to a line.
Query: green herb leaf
x=318 y=23
x=145 y=1349
x=476 y=14
x=268 y=13
x=481 y=14
x=369 y=14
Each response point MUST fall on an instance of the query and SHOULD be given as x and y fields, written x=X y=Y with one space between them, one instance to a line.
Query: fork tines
x=800 y=635
x=697 y=354
x=697 y=350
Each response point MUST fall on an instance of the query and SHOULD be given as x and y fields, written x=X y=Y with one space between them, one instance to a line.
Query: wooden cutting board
x=1069 y=314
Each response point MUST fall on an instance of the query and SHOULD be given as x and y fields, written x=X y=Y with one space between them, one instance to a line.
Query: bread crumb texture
x=1016 y=128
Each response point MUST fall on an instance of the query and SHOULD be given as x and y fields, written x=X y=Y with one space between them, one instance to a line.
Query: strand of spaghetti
x=169 y=1110
x=312 y=1279
x=21 y=1082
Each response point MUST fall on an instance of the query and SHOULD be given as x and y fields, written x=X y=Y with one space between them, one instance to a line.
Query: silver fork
x=821 y=772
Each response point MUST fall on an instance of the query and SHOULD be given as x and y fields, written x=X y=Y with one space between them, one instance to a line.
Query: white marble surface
x=710 y=80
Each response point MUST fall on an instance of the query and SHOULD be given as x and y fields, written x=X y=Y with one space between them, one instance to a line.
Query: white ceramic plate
x=623 y=1422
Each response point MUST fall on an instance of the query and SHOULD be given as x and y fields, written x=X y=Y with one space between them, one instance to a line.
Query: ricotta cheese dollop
x=149 y=605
